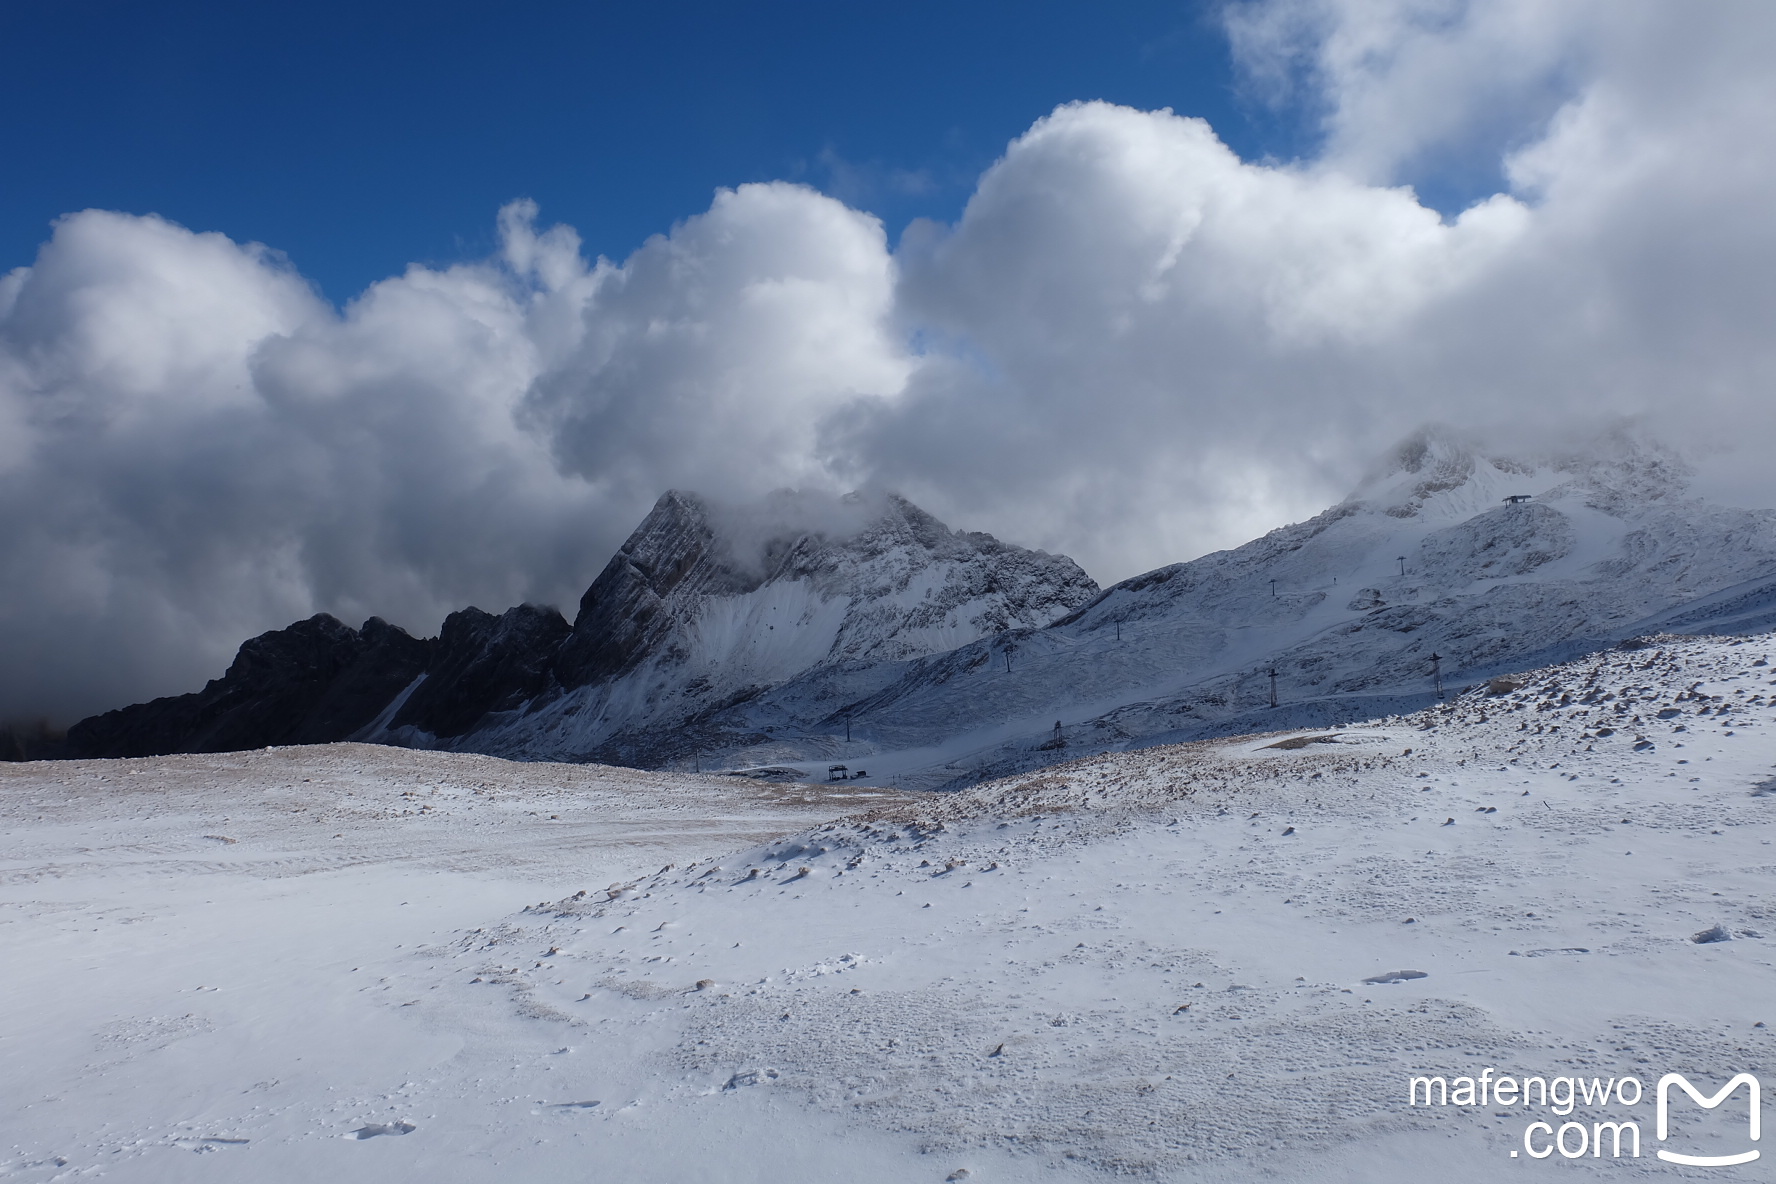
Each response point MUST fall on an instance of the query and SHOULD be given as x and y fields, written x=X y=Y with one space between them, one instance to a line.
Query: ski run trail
x=1216 y=961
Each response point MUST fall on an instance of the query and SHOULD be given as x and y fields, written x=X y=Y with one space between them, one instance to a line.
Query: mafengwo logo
x=1620 y=1130
x=1753 y=1098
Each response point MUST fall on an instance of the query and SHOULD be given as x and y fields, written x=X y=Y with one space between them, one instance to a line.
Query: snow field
x=1158 y=964
x=216 y=965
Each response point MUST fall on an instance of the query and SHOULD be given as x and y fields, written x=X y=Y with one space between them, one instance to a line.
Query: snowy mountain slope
x=1427 y=557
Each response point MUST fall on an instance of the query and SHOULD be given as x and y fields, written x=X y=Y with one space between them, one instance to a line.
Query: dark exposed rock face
x=483 y=664
x=315 y=681
x=388 y=658
x=624 y=615
x=319 y=681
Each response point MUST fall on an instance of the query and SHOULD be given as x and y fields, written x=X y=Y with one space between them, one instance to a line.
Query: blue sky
x=359 y=137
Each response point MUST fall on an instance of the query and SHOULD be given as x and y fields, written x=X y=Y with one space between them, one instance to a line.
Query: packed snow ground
x=1149 y=964
x=206 y=949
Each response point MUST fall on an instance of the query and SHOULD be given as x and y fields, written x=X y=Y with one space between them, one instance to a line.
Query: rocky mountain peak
x=710 y=604
x=846 y=577
x=1443 y=473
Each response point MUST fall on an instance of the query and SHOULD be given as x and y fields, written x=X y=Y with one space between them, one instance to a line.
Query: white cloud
x=1132 y=347
x=201 y=449
x=711 y=356
x=1400 y=85
x=1148 y=344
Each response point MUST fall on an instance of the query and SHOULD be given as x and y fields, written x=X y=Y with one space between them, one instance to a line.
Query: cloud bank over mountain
x=1132 y=347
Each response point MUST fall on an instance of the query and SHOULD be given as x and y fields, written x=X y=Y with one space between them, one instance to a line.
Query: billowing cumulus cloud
x=1143 y=343
x=1133 y=346
x=195 y=448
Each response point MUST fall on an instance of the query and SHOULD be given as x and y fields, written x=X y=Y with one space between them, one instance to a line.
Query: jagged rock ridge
x=702 y=606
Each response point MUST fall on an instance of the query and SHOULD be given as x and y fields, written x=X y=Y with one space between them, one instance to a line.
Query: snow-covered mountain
x=1486 y=562
x=707 y=607
x=704 y=607
x=782 y=637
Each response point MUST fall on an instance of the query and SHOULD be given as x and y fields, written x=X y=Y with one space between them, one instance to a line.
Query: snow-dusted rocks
x=860 y=579
x=1509 y=540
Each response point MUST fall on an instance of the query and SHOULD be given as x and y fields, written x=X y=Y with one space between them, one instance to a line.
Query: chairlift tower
x=1437 y=673
x=1273 y=686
